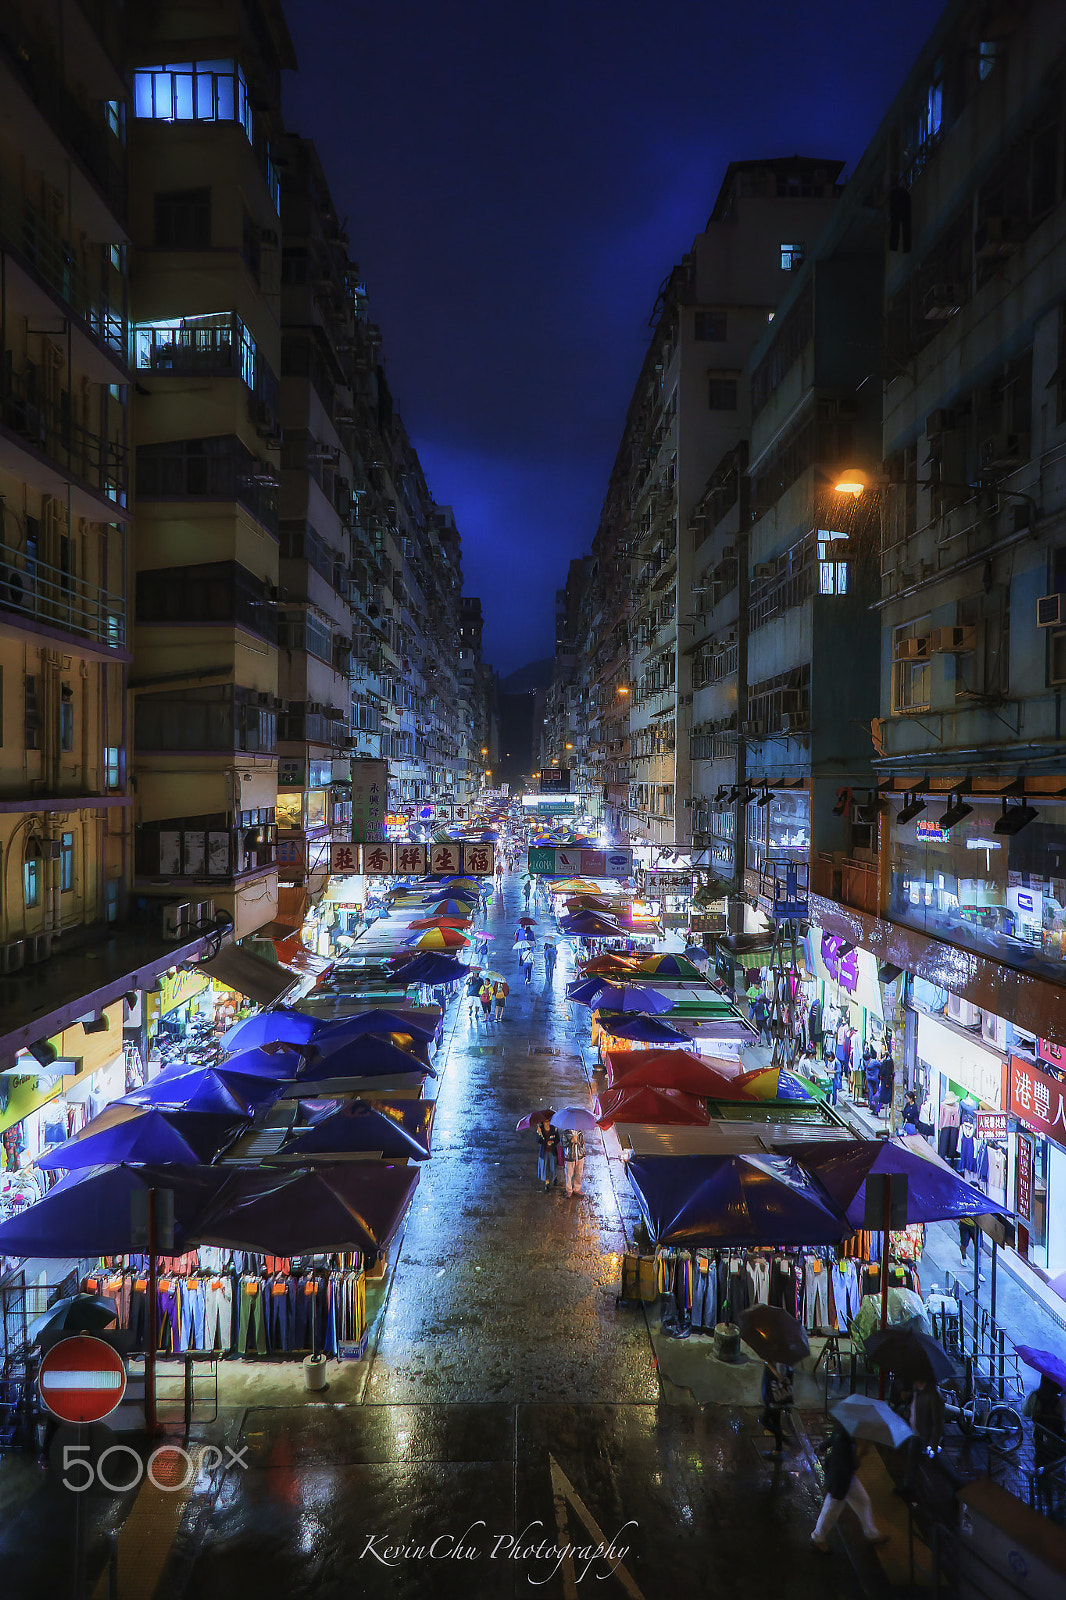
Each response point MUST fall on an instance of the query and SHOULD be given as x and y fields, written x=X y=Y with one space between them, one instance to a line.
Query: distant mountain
x=534 y=675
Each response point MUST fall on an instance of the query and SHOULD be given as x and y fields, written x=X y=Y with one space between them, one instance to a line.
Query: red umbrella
x=645 y=1104
x=527 y=922
x=673 y=1069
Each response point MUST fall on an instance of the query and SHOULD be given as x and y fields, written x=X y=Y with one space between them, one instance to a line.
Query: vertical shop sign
x=1023 y=1203
x=344 y=858
x=444 y=858
x=370 y=783
x=377 y=858
x=1037 y=1100
x=479 y=860
x=411 y=858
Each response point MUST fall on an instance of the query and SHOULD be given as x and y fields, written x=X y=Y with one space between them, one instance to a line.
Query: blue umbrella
x=88 y=1213
x=629 y=997
x=366 y=1056
x=1043 y=1361
x=431 y=966
x=842 y=1166
x=291 y=1027
x=583 y=990
x=376 y=1019
x=186 y=1088
x=732 y=1201
x=187 y=1138
x=353 y=1126
x=645 y=1030
x=277 y=1064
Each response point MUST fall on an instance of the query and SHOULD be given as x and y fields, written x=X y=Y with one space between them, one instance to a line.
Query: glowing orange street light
x=623 y=688
x=851 y=481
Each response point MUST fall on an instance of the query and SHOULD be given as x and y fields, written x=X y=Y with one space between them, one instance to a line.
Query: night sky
x=518 y=179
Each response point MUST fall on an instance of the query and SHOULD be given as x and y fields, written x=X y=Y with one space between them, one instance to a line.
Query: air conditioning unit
x=1004 y=450
x=941 y=300
x=1050 y=610
x=791 y=722
x=912 y=649
x=938 y=422
x=38 y=947
x=12 y=956
x=764 y=569
x=175 y=923
x=204 y=913
x=755 y=727
x=952 y=641
x=997 y=236
x=963 y=1012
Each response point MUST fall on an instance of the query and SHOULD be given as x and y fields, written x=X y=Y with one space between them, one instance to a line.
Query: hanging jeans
x=251 y=1316
x=138 y=1314
x=858 y=1500
x=817 y=1293
x=218 y=1313
x=193 y=1305
x=704 y=1294
x=281 y=1313
x=310 y=1319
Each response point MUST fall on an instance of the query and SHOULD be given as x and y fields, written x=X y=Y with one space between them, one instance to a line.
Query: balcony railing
x=98 y=461
x=24 y=231
x=57 y=599
x=848 y=882
x=209 y=469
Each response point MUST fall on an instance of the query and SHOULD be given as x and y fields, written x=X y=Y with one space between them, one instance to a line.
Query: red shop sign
x=1037 y=1100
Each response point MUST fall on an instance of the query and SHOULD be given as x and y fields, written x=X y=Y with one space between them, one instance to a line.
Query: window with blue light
x=832 y=575
x=193 y=91
x=218 y=341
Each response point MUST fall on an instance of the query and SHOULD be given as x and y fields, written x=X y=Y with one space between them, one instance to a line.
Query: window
x=910 y=666
x=31 y=878
x=722 y=391
x=183 y=219
x=832 y=574
x=218 y=341
x=112 y=770
x=66 y=718
x=792 y=257
x=710 y=326
x=31 y=718
x=66 y=863
x=193 y=91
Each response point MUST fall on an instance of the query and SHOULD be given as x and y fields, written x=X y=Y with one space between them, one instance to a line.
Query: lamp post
x=856 y=481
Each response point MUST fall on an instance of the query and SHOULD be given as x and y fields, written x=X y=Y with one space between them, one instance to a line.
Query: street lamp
x=623 y=688
x=855 y=481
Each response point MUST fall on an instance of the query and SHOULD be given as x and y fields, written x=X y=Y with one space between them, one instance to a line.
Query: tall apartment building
x=479 y=747
x=564 y=739
x=205 y=130
x=66 y=841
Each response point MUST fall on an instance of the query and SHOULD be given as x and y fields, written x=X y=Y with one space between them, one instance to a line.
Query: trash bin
x=726 y=1341
x=314 y=1372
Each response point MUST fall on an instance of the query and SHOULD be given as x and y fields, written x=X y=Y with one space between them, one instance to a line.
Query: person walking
x=843 y=1488
x=549 y=961
x=526 y=957
x=926 y=1417
x=574 y=1159
x=885 y=1083
x=967 y=1235
x=499 y=996
x=473 y=996
x=546 y=1137
x=776 y=1400
x=527 y=891
x=485 y=997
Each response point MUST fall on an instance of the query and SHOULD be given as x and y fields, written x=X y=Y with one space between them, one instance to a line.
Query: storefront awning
x=293 y=903
x=295 y=956
x=250 y=975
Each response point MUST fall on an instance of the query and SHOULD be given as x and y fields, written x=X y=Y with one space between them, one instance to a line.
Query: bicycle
x=980 y=1415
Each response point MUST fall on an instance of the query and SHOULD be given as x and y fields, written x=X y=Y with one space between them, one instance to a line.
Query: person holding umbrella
x=547 y=1138
x=776 y=1336
x=776 y=1399
x=473 y=994
x=527 y=891
x=525 y=955
x=843 y=1487
x=574 y=1159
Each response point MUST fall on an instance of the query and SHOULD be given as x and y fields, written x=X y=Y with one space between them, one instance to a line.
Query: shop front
x=1037 y=1144
x=961 y=1084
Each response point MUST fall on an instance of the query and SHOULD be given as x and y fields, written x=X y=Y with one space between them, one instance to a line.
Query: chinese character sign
x=291 y=774
x=1023 y=1174
x=370 y=784
x=843 y=969
x=411 y=858
x=479 y=860
x=377 y=858
x=1038 y=1100
x=344 y=858
x=289 y=853
x=444 y=858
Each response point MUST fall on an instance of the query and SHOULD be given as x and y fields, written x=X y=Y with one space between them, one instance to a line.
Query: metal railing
x=47 y=426
x=58 y=599
x=24 y=230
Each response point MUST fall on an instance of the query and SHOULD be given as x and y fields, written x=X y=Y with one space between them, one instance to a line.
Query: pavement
x=512 y=1431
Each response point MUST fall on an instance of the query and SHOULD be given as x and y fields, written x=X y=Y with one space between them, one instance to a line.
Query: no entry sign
x=82 y=1379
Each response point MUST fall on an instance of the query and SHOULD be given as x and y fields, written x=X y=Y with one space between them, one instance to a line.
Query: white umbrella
x=871 y=1419
x=575 y=1118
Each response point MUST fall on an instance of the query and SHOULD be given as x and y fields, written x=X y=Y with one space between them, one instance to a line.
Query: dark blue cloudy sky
x=518 y=179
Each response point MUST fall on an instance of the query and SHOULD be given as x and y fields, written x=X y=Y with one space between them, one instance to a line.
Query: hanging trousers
x=251 y=1316
x=218 y=1313
x=193 y=1306
x=760 y=1280
x=817 y=1279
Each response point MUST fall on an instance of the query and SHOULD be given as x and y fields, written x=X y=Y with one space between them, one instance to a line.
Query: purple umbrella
x=186 y=1088
x=267 y=1027
x=732 y=1201
x=365 y=1056
x=187 y=1138
x=356 y=1126
x=430 y=966
x=275 y=1061
x=376 y=1019
x=1043 y=1361
x=645 y=1030
x=575 y=1118
x=841 y=1167
x=587 y=925
x=628 y=997
x=88 y=1213
x=354 y=1206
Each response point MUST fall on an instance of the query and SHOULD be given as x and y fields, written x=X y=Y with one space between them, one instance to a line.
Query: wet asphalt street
x=508 y=1408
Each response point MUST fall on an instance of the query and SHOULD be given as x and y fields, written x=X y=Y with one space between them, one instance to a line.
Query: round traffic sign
x=82 y=1379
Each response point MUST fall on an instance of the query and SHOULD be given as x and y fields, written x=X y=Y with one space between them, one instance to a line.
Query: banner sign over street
x=573 y=861
x=402 y=858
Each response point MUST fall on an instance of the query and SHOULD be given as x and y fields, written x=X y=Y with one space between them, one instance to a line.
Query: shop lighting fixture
x=915 y=805
x=956 y=811
x=722 y=795
x=887 y=973
x=733 y=796
x=766 y=796
x=749 y=795
x=1013 y=819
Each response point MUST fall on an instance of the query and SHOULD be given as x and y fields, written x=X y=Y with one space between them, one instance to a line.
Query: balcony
x=224 y=718
x=847 y=881
x=216 y=345
x=209 y=469
x=316 y=727
x=48 y=258
x=55 y=599
x=47 y=427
